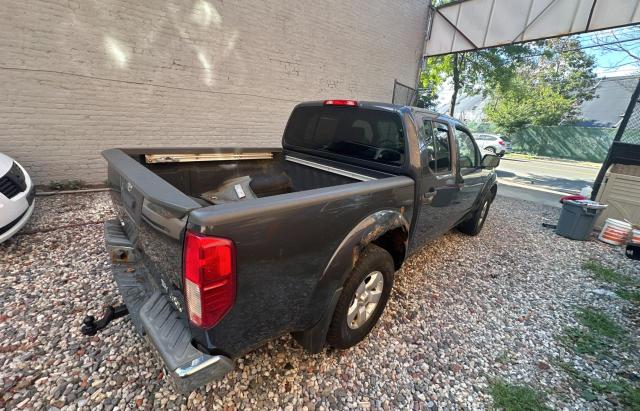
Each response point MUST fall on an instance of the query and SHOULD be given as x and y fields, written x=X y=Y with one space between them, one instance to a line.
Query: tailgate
x=153 y=215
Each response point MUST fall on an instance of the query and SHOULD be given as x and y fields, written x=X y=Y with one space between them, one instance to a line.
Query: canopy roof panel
x=476 y=24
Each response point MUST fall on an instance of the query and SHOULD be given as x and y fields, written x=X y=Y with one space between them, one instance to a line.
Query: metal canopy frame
x=477 y=24
x=623 y=152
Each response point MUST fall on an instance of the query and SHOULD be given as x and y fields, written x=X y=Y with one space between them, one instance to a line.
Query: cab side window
x=442 y=148
x=467 y=151
x=427 y=147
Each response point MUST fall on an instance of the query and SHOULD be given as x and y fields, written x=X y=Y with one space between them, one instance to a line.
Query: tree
x=568 y=70
x=437 y=70
x=549 y=88
x=523 y=103
x=474 y=72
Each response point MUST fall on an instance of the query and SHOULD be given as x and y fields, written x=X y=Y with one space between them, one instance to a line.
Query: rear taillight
x=501 y=142
x=209 y=278
x=350 y=103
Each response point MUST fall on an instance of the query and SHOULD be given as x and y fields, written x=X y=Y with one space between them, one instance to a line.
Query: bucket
x=635 y=237
x=615 y=232
x=577 y=218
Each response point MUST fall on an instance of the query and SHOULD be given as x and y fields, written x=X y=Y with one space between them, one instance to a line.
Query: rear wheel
x=474 y=224
x=363 y=298
x=491 y=149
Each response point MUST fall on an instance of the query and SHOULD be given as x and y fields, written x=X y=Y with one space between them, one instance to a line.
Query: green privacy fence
x=572 y=142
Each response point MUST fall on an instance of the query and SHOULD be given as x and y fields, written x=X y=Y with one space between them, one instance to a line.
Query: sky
x=613 y=63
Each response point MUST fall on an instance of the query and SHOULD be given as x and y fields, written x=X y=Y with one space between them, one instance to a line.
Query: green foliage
x=596 y=336
x=600 y=323
x=631 y=397
x=523 y=103
x=438 y=3
x=632 y=296
x=473 y=72
x=569 y=71
x=627 y=393
x=627 y=288
x=431 y=78
x=582 y=341
x=517 y=397
x=547 y=90
x=606 y=274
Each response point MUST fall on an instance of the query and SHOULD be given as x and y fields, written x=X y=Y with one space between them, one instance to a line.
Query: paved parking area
x=465 y=312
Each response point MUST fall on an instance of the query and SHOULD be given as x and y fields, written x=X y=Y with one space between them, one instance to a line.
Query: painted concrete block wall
x=79 y=76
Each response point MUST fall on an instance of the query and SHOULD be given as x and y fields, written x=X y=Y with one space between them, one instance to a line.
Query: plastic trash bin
x=578 y=218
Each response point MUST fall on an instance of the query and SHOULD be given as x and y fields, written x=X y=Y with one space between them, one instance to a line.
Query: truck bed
x=271 y=174
x=270 y=171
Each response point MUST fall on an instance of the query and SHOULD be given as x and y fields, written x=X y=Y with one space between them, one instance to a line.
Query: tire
x=349 y=325
x=474 y=224
x=491 y=149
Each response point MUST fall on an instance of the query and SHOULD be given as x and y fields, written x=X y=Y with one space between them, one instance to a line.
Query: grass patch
x=606 y=274
x=627 y=286
x=631 y=397
x=599 y=323
x=627 y=393
x=517 y=397
x=571 y=370
x=631 y=296
x=583 y=341
x=597 y=335
x=608 y=387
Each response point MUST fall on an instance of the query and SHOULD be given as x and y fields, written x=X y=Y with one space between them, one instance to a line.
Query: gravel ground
x=464 y=311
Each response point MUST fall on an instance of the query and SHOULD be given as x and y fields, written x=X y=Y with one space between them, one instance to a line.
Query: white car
x=493 y=143
x=16 y=197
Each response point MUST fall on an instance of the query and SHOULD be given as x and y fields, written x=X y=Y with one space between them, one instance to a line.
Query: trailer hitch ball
x=90 y=326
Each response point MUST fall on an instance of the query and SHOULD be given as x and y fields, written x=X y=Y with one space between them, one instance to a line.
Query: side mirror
x=490 y=161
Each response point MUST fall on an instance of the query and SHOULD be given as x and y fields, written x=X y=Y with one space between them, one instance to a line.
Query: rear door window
x=427 y=145
x=442 y=147
x=366 y=134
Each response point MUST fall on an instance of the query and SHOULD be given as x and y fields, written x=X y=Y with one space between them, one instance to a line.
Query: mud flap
x=313 y=339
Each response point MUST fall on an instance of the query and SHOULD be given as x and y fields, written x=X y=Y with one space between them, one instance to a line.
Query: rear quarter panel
x=284 y=244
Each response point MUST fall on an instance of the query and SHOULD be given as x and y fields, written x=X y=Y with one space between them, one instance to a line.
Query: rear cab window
x=361 y=133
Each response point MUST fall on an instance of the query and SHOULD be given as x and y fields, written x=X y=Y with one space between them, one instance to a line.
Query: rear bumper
x=164 y=327
x=168 y=333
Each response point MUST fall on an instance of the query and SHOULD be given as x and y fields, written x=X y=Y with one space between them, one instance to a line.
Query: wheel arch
x=388 y=229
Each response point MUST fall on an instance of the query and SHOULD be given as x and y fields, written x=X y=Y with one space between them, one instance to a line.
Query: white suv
x=493 y=143
x=16 y=197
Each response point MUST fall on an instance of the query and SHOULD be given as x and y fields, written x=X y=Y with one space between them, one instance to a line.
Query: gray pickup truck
x=217 y=251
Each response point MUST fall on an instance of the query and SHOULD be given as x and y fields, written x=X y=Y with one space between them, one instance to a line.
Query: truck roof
x=386 y=106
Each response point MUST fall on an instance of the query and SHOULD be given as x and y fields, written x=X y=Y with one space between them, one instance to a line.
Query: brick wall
x=79 y=76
